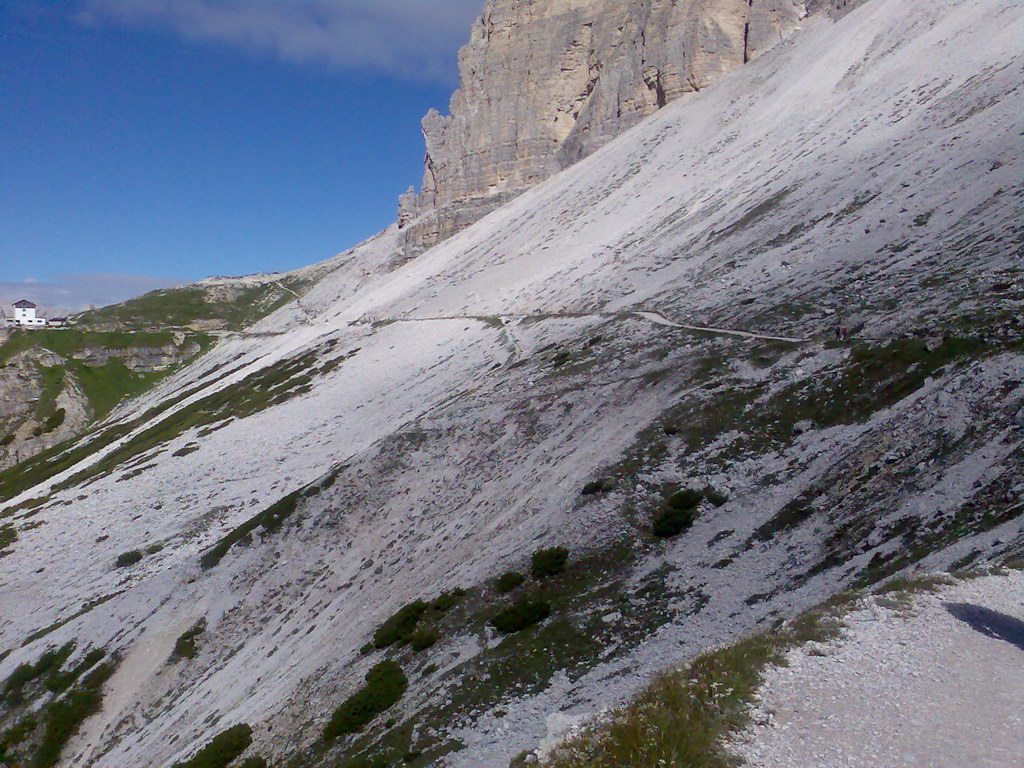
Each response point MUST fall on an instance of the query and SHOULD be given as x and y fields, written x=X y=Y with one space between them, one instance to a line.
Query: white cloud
x=72 y=293
x=408 y=38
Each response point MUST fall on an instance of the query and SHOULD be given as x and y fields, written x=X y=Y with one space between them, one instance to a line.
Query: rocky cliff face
x=544 y=83
x=47 y=398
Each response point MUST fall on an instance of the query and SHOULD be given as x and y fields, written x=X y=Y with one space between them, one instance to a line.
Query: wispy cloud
x=407 y=38
x=71 y=293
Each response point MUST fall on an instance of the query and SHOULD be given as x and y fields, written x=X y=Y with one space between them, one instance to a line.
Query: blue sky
x=178 y=139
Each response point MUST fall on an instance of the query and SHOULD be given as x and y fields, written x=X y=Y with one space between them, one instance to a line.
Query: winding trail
x=653 y=316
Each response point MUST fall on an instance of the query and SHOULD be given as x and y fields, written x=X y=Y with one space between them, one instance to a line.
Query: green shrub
x=222 y=749
x=715 y=497
x=549 y=562
x=597 y=486
x=671 y=522
x=677 y=514
x=447 y=600
x=186 y=646
x=398 y=628
x=152 y=549
x=422 y=639
x=126 y=559
x=508 y=581
x=520 y=616
x=684 y=499
x=385 y=685
x=254 y=762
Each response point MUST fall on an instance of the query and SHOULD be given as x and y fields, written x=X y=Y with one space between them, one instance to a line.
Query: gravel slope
x=940 y=685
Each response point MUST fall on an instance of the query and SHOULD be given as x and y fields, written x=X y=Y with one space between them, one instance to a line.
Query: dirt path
x=940 y=685
x=650 y=315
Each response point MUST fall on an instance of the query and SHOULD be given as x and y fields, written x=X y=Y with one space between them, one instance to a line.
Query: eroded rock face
x=544 y=83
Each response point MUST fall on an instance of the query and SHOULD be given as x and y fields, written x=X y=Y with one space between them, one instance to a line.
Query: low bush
x=51 y=661
x=126 y=559
x=422 y=639
x=671 y=522
x=684 y=499
x=677 y=514
x=385 y=686
x=447 y=600
x=549 y=562
x=402 y=624
x=522 y=615
x=254 y=762
x=223 y=748
x=186 y=646
x=715 y=497
x=597 y=486
x=508 y=581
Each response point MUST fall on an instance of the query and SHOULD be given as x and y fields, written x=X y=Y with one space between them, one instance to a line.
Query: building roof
x=24 y=304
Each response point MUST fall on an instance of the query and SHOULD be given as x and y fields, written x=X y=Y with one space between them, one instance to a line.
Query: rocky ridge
x=544 y=83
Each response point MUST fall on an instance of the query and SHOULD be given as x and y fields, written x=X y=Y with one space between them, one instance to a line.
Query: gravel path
x=940 y=685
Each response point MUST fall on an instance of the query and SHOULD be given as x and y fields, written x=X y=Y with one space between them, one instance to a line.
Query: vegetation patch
x=549 y=562
x=677 y=514
x=38 y=736
x=521 y=615
x=790 y=516
x=186 y=646
x=682 y=717
x=8 y=535
x=126 y=559
x=400 y=626
x=271 y=519
x=597 y=486
x=385 y=685
x=195 y=306
x=508 y=581
x=223 y=749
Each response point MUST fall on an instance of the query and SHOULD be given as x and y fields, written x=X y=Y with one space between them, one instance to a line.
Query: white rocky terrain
x=934 y=681
x=658 y=316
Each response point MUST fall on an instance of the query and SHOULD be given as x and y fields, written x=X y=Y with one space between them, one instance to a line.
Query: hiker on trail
x=839 y=333
x=845 y=333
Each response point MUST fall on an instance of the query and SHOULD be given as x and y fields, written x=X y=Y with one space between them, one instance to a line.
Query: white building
x=25 y=315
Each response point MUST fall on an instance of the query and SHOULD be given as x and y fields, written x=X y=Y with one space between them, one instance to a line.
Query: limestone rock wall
x=544 y=83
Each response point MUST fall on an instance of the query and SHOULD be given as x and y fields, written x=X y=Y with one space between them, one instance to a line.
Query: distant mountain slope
x=636 y=361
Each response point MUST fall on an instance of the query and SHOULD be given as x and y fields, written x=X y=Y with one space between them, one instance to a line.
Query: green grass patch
x=8 y=535
x=193 y=305
x=64 y=716
x=681 y=719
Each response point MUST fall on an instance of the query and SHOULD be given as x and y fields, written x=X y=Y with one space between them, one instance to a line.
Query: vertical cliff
x=544 y=83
